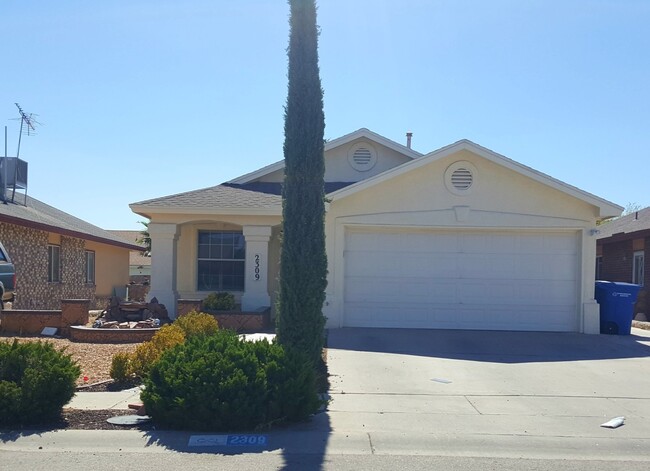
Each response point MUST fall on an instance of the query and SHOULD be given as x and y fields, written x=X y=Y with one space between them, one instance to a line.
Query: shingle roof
x=216 y=196
x=38 y=215
x=254 y=195
x=633 y=222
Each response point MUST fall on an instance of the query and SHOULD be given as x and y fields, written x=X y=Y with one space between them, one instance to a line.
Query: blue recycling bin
x=616 y=301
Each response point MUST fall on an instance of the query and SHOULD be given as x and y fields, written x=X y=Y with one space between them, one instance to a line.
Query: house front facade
x=620 y=255
x=459 y=238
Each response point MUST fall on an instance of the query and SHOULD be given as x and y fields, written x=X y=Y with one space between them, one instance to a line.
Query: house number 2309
x=257 y=267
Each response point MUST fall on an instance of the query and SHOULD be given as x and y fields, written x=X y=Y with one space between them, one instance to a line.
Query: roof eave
x=66 y=232
x=147 y=211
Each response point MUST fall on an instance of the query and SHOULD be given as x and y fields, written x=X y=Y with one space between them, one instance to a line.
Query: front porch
x=192 y=259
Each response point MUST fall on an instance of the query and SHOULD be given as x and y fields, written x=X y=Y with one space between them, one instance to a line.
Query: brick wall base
x=32 y=322
x=91 y=335
x=28 y=322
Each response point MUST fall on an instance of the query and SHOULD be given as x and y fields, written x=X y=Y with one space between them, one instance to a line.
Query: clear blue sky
x=146 y=98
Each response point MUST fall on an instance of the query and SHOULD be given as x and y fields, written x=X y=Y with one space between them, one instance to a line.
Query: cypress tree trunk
x=303 y=271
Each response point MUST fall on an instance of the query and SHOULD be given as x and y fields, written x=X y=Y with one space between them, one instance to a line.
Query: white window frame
x=638 y=272
x=89 y=268
x=242 y=261
x=53 y=263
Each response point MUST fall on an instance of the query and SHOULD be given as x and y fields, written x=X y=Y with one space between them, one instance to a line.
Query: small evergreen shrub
x=36 y=381
x=197 y=323
x=147 y=353
x=219 y=301
x=120 y=367
x=221 y=382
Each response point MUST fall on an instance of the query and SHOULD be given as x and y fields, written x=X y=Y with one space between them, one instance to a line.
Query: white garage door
x=461 y=280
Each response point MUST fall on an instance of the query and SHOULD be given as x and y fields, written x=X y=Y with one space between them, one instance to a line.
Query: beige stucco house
x=459 y=238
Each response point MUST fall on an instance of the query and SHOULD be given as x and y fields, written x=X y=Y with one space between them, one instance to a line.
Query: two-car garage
x=461 y=279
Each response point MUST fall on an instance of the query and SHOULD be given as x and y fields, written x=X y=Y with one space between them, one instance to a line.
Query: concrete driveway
x=426 y=384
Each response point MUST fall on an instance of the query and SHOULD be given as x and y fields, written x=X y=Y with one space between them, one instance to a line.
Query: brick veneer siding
x=90 y=335
x=617 y=264
x=233 y=320
x=28 y=322
x=185 y=306
x=32 y=322
x=28 y=250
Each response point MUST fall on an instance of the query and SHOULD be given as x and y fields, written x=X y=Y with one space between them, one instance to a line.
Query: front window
x=90 y=267
x=53 y=263
x=221 y=261
x=637 y=268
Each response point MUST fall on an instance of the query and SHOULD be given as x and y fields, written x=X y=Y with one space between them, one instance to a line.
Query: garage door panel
x=468 y=280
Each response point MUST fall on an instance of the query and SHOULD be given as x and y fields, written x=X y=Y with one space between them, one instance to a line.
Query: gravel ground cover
x=94 y=359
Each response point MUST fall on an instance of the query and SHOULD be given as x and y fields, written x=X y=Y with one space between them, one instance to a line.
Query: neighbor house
x=620 y=254
x=139 y=261
x=459 y=238
x=59 y=256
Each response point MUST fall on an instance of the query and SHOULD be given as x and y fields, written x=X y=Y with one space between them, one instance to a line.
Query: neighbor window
x=599 y=267
x=221 y=261
x=90 y=267
x=53 y=263
x=637 y=268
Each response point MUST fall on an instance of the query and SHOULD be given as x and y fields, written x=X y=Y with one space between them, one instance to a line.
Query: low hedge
x=219 y=382
x=36 y=381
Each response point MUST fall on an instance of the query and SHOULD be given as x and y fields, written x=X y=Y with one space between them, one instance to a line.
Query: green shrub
x=219 y=301
x=120 y=367
x=221 y=382
x=147 y=353
x=197 y=323
x=36 y=381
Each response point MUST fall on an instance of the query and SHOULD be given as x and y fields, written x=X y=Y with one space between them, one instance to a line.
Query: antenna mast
x=27 y=123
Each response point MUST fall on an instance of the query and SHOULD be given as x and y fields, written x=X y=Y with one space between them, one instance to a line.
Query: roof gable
x=606 y=208
x=362 y=133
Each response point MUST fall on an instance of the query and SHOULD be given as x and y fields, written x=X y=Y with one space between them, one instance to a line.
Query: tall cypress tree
x=303 y=270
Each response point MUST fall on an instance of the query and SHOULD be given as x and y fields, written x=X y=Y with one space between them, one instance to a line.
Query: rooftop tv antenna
x=27 y=125
x=13 y=171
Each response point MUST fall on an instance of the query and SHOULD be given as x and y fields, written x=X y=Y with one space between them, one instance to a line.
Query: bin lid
x=618 y=288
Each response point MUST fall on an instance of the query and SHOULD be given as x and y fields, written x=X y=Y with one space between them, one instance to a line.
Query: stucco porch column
x=163 y=265
x=256 y=287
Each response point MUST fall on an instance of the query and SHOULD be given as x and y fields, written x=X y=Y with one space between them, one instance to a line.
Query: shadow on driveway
x=490 y=346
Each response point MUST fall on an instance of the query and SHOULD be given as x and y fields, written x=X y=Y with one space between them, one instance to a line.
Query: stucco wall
x=111 y=268
x=338 y=168
x=187 y=253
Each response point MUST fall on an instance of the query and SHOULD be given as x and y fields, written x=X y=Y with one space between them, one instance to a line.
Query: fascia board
x=147 y=210
x=606 y=208
x=259 y=173
x=358 y=134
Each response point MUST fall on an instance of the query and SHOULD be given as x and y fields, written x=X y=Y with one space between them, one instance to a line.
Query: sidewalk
x=105 y=400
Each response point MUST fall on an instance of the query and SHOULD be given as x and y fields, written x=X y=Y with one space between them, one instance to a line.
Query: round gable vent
x=362 y=157
x=460 y=178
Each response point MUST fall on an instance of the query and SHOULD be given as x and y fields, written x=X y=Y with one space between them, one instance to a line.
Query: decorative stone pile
x=132 y=315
